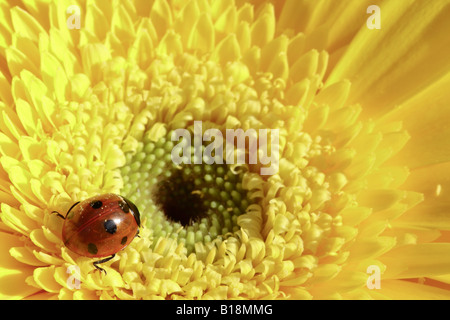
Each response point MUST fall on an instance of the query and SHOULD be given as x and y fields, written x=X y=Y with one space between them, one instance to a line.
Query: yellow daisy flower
x=91 y=93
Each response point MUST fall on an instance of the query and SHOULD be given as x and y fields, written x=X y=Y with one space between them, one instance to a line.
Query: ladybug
x=100 y=226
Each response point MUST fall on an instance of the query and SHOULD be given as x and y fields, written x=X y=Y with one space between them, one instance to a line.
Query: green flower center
x=189 y=202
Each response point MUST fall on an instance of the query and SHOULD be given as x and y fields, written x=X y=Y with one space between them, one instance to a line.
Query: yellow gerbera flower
x=91 y=93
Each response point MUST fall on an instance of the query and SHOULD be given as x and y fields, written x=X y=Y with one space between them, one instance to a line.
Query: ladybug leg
x=96 y=263
x=137 y=234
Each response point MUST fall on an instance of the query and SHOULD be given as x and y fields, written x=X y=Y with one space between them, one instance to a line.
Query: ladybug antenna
x=61 y=216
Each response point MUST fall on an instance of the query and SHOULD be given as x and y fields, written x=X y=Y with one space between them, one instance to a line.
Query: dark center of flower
x=179 y=199
x=188 y=202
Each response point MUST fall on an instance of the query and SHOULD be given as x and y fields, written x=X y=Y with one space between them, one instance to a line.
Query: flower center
x=189 y=202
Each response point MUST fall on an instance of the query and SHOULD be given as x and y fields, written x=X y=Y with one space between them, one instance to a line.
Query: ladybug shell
x=101 y=226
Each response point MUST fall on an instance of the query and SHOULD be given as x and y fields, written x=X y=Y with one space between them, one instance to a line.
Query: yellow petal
x=61 y=49
x=27 y=116
x=306 y=66
x=227 y=20
x=7 y=146
x=263 y=29
x=45 y=278
x=92 y=57
x=17 y=61
x=170 y=44
x=5 y=89
x=12 y=272
x=26 y=256
x=122 y=25
x=377 y=77
x=202 y=36
x=95 y=20
x=371 y=248
x=421 y=260
x=228 y=49
x=142 y=50
x=16 y=219
x=279 y=67
x=26 y=24
x=407 y=290
x=161 y=17
x=54 y=76
x=428 y=143
x=35 y=91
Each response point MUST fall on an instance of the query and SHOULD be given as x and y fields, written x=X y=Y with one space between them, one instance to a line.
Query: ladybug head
x=134 y=211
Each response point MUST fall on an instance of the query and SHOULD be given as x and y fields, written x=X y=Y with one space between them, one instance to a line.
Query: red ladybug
x=100 y=226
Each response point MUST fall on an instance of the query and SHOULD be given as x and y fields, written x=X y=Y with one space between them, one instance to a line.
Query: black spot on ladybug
x=110 y=226
x=124 y=240
x=124 y=206
x=96 y=204
x=92 y=248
